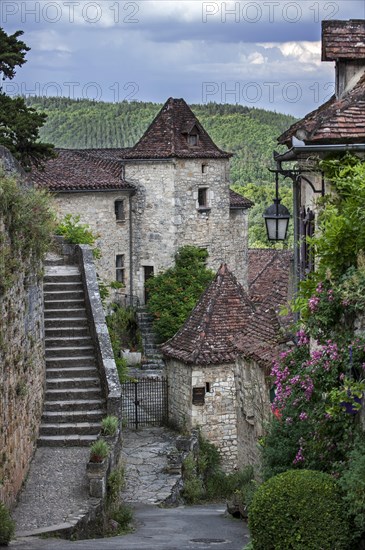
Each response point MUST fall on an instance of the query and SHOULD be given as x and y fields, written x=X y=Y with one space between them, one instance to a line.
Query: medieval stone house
x=169 y=190
x=218 y=365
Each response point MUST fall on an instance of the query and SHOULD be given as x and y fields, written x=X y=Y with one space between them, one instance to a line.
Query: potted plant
x=109 y=426
x=99 y=451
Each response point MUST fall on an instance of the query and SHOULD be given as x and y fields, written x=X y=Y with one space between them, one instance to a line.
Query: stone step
x=67 y=332
x=62 y=278
x=72 y=373
x=62 y=295
x=65 y=363
x=69 y=428
x=71 y=405
x=75 y=394
x=76 y=382
x=65 y=314
x=66 y=440
x=65 y=286
x=65 y=352
x=64 y=304
x=59 y=322
x=71 y=416
x=68 y=342
x=54 y=260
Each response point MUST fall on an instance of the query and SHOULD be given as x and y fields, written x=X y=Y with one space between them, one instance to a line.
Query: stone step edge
x=66 y=529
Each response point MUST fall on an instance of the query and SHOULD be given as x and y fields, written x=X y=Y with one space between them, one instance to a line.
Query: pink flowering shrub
x=304 y=434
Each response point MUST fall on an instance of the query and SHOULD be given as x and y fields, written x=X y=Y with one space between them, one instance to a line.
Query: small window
x=203 y=197
x=198 y=396
x=119 y=268
x=207 y=387
x=119 y=211
x=193 y=139
x=204 y=168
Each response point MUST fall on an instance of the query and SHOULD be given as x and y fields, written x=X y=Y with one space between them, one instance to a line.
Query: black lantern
x=276 y=217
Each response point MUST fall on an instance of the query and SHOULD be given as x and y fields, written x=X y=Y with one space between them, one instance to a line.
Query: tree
x=174 y=293
x=19 y=124
x=12 y=53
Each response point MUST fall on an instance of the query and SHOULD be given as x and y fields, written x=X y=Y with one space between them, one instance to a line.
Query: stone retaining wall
x=22 y=380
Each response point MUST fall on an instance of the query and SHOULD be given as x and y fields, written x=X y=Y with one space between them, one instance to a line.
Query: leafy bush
x=299 y=509
x=174 y=293
x=352 y=483
x=77 y=233
x=7 y=526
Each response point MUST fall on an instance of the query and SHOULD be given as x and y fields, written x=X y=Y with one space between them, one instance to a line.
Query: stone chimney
x=344 y=43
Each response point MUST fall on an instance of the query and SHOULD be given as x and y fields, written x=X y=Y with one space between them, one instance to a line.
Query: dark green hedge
x=298 y=509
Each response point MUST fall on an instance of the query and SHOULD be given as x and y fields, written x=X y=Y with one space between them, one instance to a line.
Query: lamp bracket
x=296 y=175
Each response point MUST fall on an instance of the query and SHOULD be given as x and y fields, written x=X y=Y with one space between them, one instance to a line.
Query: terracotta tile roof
x=269 y=278
x=238 y=201
x=77 y=170
x=166 y=137
x=223 y=319
x=337 y=120
x=343 y=39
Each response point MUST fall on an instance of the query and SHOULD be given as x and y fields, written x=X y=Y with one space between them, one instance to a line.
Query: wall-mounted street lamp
x=276 y=217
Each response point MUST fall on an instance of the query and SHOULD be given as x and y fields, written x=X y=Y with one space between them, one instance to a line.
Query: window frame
x=119 y=206
x=120 y=269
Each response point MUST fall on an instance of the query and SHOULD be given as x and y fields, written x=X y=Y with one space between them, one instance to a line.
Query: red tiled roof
x=223 y=319
x=166 y=137
x=238 y=201
x=343 y=39
x=337 y=120
x=77 y=170
x=269 y=277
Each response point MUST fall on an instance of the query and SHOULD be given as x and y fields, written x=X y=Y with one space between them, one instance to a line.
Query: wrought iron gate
x=145 y=402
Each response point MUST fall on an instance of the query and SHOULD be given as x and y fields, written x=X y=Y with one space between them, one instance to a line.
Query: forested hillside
x=249 y=133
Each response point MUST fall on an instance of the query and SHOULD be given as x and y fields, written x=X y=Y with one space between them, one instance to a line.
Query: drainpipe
x=130 y=249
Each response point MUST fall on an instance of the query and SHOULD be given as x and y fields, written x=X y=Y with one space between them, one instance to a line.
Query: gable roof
x=166 y=137
x=337 y=120
x=77 y=170
x=224 y=317
x=343 y=39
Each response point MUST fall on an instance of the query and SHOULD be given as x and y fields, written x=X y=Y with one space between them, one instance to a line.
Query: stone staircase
x=73 y=406
x=153 y=358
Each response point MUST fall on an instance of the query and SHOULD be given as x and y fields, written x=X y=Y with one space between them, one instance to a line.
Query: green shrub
x=123 y=515
x=77 y=233
x=115 y=484
x=352 y=483
x=109 y=425
x=7 y=526
x=174 y=293
x=299 y=509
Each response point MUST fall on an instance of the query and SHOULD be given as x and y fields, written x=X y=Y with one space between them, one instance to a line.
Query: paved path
x=183 y=528
x=145 y=457
x=56 y=490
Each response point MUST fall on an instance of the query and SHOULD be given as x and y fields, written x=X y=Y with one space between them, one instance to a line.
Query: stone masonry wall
x=180 y=394
x=166 y=215
x=22 y=379
x=154 y=221
x=217 y=416
x=97 y=210
x=222 y=231
x=253 y=409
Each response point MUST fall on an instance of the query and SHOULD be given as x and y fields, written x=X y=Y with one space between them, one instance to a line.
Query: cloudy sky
x=263 y=53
